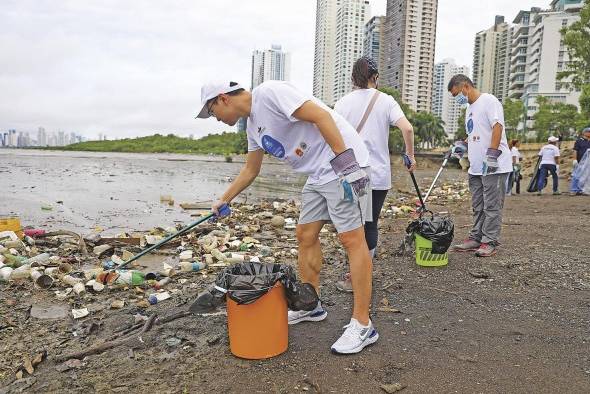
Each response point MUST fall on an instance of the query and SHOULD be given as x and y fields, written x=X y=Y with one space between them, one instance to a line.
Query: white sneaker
x=318 y=314
x=355 y=338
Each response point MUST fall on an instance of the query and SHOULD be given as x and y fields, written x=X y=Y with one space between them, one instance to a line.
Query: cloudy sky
x=131 y=68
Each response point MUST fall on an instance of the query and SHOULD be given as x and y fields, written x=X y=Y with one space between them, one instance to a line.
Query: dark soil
x=516 y=322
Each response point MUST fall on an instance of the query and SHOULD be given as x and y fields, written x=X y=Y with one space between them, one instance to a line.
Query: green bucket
x=424 y=255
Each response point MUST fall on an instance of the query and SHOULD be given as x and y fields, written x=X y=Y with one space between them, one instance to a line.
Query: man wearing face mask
x=490 y=164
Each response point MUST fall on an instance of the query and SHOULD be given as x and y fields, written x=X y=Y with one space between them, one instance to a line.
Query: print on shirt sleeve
x=273 y=147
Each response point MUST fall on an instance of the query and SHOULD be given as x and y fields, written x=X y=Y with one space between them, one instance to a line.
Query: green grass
x=220 y=144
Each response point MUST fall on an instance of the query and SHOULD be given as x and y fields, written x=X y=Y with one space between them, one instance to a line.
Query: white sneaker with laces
x=318 y=314
x=355 y=338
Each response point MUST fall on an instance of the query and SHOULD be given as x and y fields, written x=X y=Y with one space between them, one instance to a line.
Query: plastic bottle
x=157 y=297
x=14 y=261
x=134 y=278
x=38 y=259
x=188 y=267
x=5 y=273
x=22 y=272
x=70 y=280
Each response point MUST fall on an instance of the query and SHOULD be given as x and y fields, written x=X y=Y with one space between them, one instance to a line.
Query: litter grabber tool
x=224 y=211
x=408 y=164
x=458 y=150
x=444 y=164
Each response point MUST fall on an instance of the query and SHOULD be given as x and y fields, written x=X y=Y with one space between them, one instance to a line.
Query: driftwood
x=81 y=243
x=97 y=349
x=125 y=338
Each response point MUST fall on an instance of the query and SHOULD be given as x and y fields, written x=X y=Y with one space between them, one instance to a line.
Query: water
x=121 y=191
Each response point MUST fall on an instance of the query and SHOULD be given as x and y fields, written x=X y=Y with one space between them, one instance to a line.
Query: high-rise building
x=547 y=55
x=373 y=45
x=41 y=137
x=410 y=31
x=61 y=138
x=519 y=51
x=351 y=18
x=338 y=44
x=491 y=59
x=270 y=64
x=12 y=138
x=325 y=50
x=443 y=104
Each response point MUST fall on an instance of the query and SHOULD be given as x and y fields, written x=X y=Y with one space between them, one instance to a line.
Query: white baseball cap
x=552 y=139
x=212 y=90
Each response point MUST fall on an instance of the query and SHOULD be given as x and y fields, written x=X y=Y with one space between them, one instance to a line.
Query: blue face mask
x=461 y=99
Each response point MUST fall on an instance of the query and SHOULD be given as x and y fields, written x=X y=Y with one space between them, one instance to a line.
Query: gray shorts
x=323 y=203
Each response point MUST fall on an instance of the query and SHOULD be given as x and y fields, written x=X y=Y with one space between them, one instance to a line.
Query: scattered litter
x=392 y=388
x=80 y=313
x=117 y=304
x=158 y=297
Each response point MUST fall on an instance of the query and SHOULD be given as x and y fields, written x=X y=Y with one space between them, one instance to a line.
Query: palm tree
x=429 y=130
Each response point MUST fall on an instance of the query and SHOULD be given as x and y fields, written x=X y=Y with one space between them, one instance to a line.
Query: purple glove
x=459 y=149
x=490 y=163
x=353 y=180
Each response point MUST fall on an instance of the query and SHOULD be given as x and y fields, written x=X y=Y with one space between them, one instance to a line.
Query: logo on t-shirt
x=261 y=129
x=469 y=126
x=273 y=146
x=300 y=151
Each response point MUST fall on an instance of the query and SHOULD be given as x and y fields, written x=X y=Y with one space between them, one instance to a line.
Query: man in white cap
x=549 y=163
x=314 y=140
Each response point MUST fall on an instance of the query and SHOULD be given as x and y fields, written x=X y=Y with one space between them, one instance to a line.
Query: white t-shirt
x=272 y=127
x=515 y=153
x=548 y=154
x=480 y=118
x=375 y=132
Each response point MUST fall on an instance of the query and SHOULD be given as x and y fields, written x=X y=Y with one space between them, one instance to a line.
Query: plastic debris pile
x=76 y=269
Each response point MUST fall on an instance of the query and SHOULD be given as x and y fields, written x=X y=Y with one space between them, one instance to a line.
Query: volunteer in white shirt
x=514 y=176
x=549 y=163
x=373 y=112
x=490 y=163
x=314 y=140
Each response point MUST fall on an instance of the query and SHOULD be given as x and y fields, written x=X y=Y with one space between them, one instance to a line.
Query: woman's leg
x=371 y=228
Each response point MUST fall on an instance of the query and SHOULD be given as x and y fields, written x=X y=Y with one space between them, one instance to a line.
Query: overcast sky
x=131 y=68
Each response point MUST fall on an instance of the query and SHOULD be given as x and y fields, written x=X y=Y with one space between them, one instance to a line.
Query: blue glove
x=354 y=182
x=223 y=211
x=459 y=149
x=490 y=163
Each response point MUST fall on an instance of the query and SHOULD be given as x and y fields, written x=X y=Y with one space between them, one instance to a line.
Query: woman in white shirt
x=515 y=176
x=372 y=113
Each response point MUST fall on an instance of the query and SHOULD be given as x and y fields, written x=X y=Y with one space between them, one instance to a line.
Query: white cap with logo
x=552 y=139
x=212 y=90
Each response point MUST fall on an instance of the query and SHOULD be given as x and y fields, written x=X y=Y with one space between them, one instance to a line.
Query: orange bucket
x=259 y=330
x=11 y=223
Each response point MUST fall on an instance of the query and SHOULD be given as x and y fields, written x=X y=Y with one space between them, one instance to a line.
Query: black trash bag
x=438 y=229
x=247 y=282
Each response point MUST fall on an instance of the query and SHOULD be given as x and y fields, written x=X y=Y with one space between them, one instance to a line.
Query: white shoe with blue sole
x=355 y=338
x=318 y=314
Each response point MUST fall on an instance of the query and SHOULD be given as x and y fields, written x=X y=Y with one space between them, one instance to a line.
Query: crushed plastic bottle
x=188 y=267
x=134 y=278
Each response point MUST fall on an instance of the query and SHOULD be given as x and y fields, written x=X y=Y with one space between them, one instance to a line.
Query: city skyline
x=132 y=72
x=22 y=139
